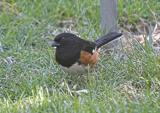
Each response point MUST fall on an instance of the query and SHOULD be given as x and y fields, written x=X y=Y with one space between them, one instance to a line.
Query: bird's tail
x=107 y=38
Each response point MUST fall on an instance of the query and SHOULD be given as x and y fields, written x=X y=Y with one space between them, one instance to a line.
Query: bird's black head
x=63 y=39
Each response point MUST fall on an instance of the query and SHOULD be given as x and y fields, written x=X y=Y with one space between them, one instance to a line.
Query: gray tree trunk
x=108 y=11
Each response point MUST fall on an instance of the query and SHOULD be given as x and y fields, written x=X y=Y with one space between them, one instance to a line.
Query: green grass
x=31 y=81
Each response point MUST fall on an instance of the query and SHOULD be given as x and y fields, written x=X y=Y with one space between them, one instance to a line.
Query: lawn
x=31 y=80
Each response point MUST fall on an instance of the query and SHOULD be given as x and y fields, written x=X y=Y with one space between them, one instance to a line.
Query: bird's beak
x=53 y=43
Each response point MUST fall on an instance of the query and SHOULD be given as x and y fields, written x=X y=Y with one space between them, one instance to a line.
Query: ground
x=31 y=81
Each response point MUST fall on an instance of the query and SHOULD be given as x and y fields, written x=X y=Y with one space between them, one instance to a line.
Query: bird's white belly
x=76 y=68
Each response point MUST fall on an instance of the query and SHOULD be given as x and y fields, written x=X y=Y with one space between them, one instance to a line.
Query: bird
x=76 y=55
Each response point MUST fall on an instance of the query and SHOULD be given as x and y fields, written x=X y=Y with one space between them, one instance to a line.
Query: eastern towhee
x=75 y=54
